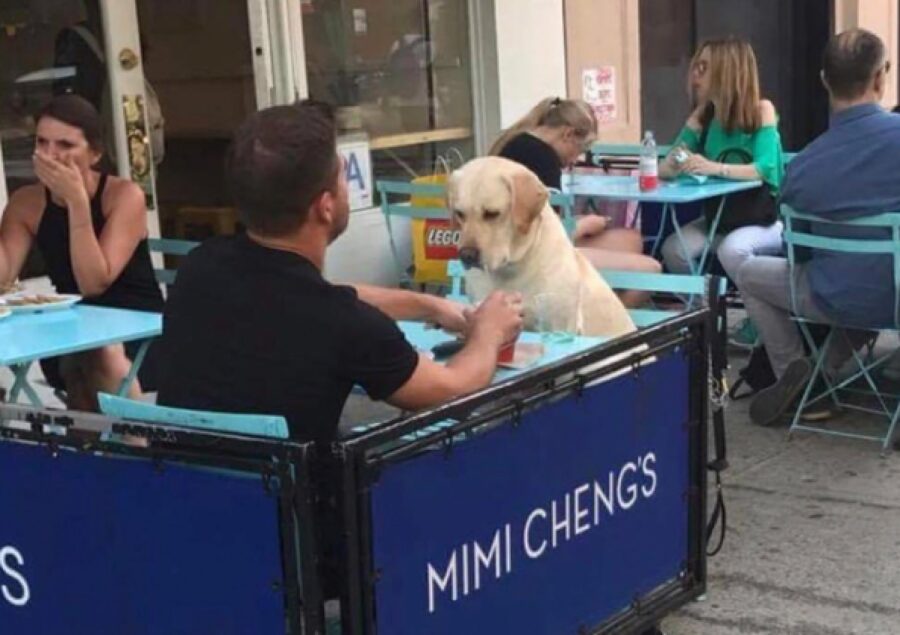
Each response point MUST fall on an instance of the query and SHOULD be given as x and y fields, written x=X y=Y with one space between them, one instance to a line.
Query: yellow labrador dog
x=511 y=239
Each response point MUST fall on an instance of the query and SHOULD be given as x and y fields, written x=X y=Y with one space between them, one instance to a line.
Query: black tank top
x=136 y=286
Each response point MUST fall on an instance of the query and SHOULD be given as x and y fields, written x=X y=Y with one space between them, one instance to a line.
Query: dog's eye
x=491 y=215
x=459 y=215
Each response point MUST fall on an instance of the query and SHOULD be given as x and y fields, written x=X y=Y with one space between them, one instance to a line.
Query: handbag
x=749 y=207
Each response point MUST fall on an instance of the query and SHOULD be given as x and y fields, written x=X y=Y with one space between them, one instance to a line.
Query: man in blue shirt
x=848 y=172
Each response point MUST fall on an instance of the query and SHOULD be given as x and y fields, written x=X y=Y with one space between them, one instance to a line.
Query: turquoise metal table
x=668 y=194
x=27 y=338
x=424 y=338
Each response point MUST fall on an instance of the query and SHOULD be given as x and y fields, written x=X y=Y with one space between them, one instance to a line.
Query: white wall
x=362 y=253
x=531 y=53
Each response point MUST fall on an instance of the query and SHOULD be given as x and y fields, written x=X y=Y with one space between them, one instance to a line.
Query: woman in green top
x=730 y=122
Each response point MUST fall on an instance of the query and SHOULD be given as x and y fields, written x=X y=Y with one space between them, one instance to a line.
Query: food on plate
x=12 y=287
x=31 y=300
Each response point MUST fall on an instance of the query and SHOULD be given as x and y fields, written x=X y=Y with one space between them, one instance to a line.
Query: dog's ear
x=527 y=198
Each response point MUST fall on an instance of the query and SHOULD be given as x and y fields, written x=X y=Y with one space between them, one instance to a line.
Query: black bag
x=756 y=375
x=750 y=207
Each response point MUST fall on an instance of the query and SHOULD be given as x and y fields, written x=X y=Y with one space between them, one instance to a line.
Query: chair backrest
x=676 y=283
x=169 y=247
x=799 y=228
x=271 y=426
x=391 y=207
x=391 y=189
x=565 y=202
x=624 y=150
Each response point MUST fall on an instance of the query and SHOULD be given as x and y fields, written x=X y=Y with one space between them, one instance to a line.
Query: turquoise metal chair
x=565 y=203
x=798 y=232
x=271 y=426
x=625 y=150
x=169 y=247
x=680 y=285
x=389 y=191
x=676 y=284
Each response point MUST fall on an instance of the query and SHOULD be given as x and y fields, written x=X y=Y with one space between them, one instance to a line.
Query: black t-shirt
x=537 y=156
x=249 y=329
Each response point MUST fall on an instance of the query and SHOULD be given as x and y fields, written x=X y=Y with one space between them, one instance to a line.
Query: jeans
x=765 y=286
x=733 y=249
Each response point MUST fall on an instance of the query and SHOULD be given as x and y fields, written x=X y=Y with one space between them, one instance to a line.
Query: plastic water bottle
x=648 y=172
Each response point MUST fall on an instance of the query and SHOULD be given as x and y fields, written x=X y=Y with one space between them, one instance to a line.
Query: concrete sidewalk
x=813 y=542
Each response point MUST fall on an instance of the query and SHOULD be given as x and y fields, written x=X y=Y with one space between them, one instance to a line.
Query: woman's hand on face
x=62 y=178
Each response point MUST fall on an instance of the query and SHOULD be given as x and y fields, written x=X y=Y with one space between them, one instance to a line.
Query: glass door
x=210 y=64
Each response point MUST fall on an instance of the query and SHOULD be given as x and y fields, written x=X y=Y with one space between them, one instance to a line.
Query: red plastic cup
x=507 y=353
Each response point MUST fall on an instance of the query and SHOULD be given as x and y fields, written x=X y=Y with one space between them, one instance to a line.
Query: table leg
x=135 y=367
x=662 y=227
x=691 y=263
x=20 y=372
x=711 y=235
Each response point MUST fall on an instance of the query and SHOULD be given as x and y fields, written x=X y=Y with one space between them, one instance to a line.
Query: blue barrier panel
x=97 y=544
x=557 y=524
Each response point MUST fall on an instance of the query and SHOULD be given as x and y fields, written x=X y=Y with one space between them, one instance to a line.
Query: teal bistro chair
x=565 y=203
x=879 y=235
x=169 y=247
x=271 y=426
x=392 y=208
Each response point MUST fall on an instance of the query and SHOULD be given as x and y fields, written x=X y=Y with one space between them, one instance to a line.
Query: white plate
x=4 y=312
x=64 y=302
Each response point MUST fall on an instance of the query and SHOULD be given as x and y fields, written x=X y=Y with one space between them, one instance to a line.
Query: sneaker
x=820 y=410
x=744 y=335
x=772 y=402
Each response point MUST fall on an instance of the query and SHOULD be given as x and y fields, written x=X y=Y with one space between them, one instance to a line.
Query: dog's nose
x=470 y=257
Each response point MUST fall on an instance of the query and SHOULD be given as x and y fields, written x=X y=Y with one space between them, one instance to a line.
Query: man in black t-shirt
x=251 y=326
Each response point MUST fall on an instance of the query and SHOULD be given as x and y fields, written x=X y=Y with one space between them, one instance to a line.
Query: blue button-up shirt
x=850 y=171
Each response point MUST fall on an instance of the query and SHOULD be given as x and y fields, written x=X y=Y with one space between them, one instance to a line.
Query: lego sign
x=441 y=240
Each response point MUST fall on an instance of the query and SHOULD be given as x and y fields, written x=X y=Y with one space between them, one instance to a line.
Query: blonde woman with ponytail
x=552 y=136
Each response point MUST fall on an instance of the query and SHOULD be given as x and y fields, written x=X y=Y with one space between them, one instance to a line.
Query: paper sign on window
x=598 y=89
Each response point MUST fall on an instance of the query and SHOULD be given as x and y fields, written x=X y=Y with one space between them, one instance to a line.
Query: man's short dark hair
x=850 y=62
x=279 y=161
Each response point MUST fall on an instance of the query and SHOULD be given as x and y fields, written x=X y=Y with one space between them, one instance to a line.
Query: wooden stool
x=197 y=223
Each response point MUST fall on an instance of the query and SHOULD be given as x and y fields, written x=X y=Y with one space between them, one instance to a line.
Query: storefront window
x=398 y=71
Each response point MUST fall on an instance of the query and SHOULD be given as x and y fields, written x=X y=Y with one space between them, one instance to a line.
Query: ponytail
x=552 y=112
x=534 y=118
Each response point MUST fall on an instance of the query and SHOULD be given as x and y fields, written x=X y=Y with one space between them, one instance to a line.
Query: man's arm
x=400 y=304
x=497 y=322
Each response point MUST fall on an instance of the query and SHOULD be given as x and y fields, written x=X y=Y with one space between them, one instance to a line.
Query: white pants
x=732 y=249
